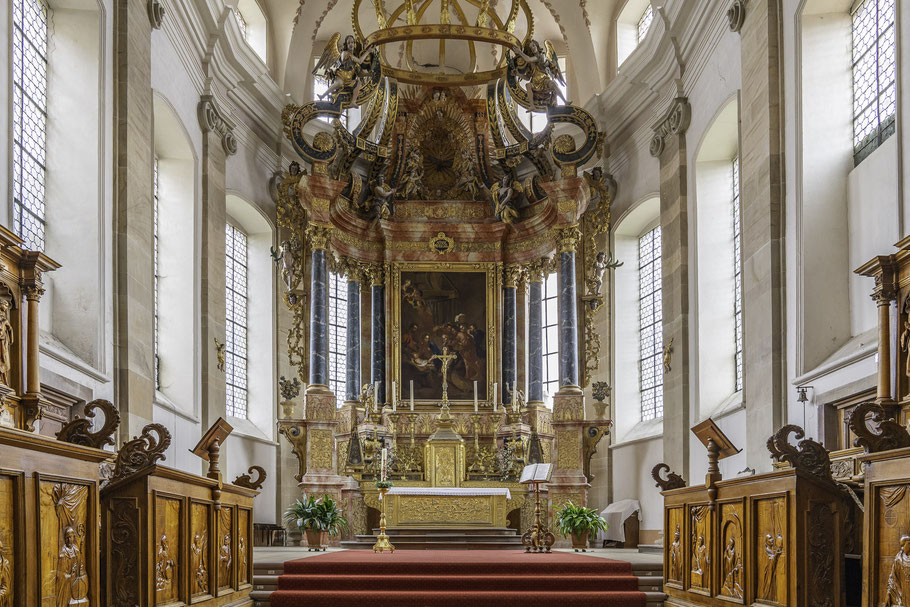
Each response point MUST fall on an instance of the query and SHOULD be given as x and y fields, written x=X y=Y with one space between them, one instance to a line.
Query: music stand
x=719 y=447
x=209 y=446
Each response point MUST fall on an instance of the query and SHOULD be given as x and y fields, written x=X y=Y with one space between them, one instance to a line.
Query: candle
x=495 y=394
x=475 y=405
x=412 y=395
x=382 y=468
x=394 y=400
x=375 y=395
x=475 y=396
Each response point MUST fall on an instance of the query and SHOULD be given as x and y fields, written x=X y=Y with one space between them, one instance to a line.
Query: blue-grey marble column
x=567 y=239
x=352 y=353
x=535 y=337
x=509 y=332
x=319 y=321
x=378 y=333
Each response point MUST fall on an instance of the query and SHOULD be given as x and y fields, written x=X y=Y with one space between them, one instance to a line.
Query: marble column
x=535 y=333
x=511 y=278
x=352 y=358
x=377 y=366
x=319 y=309
x=567 y=243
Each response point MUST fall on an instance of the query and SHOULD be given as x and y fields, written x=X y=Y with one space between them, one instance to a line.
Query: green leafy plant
x=384 y=484
x=316 y=514
x=575 y=520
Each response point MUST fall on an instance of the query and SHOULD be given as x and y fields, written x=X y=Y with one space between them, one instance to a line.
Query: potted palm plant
x=317 y=519
x=579 y=522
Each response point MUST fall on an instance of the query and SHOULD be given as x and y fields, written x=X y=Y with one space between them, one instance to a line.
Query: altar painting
x=443 y=310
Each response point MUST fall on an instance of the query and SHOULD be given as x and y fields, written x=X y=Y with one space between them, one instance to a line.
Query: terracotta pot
x=580 y=541
x=317 y=540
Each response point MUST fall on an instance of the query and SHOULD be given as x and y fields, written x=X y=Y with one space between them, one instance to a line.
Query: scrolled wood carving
x=124 y=535
x=245 y=480
x=810 y=456
x=673 y=480
x=141 y=452
x=79 y=431
x=888 y=434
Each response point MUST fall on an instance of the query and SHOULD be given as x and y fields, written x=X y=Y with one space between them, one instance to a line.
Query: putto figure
x=412 y=180
x=539 y=66
x=344 y=65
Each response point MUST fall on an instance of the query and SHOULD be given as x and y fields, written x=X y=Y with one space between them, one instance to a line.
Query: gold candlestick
x=412 y=421
x=476 y=417
x=382 y=540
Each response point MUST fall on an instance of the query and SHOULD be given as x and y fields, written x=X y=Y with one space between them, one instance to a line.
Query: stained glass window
x=338 y=335
x=651 y=319
x=737 y=275
x=236 y=326
x=155 y=267
x=550 y=338
x=874 y=71
x=29 y=120
x=644 y=23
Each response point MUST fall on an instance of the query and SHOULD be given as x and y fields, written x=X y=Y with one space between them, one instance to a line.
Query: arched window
x=236 y=328
x=737 y=271
x=29 y=120
x=650 y=336
x=155 y=268
x=338 y=334
x=874 y=76
x=550 y=341
x=253 y=26
x=632 y=26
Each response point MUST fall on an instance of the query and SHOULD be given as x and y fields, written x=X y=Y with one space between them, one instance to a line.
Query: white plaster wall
x=632 y=479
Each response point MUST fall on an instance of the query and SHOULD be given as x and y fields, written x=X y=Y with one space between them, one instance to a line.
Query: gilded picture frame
x=492 y=287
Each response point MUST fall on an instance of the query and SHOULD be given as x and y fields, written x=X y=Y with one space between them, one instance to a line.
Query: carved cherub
x=412 y=180
x=601 y=264
x=540 y=67
x=220 y=353
x=468 y=180
x=343 y=66
x=286 y=258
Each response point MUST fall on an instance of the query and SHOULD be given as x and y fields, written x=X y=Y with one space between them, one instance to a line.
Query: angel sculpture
x=286 y=257
x=467 y=180
x=413 y=175
x=540 y=67
x=601 y=264
x=344 y=65
x=505 y=195
x=382 y=197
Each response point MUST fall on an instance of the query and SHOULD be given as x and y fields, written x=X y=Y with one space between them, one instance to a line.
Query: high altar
x=445 y=214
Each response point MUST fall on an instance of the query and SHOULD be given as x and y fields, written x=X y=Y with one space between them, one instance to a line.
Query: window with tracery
x=338 y=335
x=29 y=121
x=155 y=268
x=874 y=76
x=644 y=23
x=236 y=256
x=650 y=312
x=737 y=274
x=550 y=343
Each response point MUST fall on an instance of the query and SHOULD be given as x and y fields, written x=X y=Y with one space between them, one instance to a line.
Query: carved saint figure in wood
x=6 y=579
x=774 y=548
x=6 y=342
x=676 y=557
x=224 y=561
x=732 y=570
x=164 y=565
x=72 y=578
x=701 y=562
x=899 y=579
x=200 y=575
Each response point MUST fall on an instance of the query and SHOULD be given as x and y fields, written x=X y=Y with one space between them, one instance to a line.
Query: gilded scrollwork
x=320 y=449
x=296 y=435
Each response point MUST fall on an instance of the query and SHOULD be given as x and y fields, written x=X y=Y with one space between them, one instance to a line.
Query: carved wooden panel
x=244 y=548
x=700 y=547
x=676 y=542
x=65 y=518
x=200 y=578
x=123 y=559
x=891 y=573
x=821 y=537
x=225 y=556
x=732 y=573
x=11 y=488
x=771 y=552
x=167 y=549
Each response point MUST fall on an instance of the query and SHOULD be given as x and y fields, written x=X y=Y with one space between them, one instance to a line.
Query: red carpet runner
x=463 y=578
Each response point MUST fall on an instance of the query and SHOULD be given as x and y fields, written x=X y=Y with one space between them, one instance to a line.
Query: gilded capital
x=375 y=273
x=511 y=275
x=567 y=239
x=535 y=270
x=318 y=236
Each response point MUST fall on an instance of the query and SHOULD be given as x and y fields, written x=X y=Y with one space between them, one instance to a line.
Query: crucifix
x=446 y=359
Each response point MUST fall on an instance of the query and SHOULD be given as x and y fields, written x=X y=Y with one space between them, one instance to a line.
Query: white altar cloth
x=461 y=491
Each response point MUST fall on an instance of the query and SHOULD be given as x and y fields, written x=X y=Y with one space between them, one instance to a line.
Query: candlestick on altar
x=375 y=395
x=382 y=465
x=412 y=421
x=412 y=395
x=394 y=400
x=475 y=395
x=495 y=395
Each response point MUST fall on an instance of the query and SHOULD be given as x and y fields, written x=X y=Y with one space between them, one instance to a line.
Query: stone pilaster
x=217 y=143
x=134 y=299
x=535 y=333
x=352 y=351
x=761 y=193
x=567 y=243
x=669 y=146
x=568 y=482
x=511 y=279
x=321 y=476
x=377 y=330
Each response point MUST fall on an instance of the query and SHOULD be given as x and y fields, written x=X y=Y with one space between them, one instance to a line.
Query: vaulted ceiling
x=579 y=28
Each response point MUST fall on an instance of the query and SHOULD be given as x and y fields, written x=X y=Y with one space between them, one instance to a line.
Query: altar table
x=442 y=507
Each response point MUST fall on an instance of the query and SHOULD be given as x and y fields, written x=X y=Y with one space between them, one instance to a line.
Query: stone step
x=403 y=531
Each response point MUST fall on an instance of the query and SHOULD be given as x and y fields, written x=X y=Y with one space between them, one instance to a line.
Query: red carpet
x=443 y=578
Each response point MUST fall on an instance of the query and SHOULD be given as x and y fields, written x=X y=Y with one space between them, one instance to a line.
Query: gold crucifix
x=446 y=358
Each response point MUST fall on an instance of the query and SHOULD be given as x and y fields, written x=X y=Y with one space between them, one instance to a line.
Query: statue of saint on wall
x=505 y=198
x=382 y=197
x=72 y=579
x=6 y=341
x=286 y=258
x=899 y=579
x=412 y=181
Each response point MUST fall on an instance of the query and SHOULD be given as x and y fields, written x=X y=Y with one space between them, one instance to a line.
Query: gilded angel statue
x=505 y=197
x=344 y=65
x=412 y=180
x=540 y=67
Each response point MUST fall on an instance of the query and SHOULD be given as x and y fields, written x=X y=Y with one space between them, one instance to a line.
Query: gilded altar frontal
x=455 y=302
